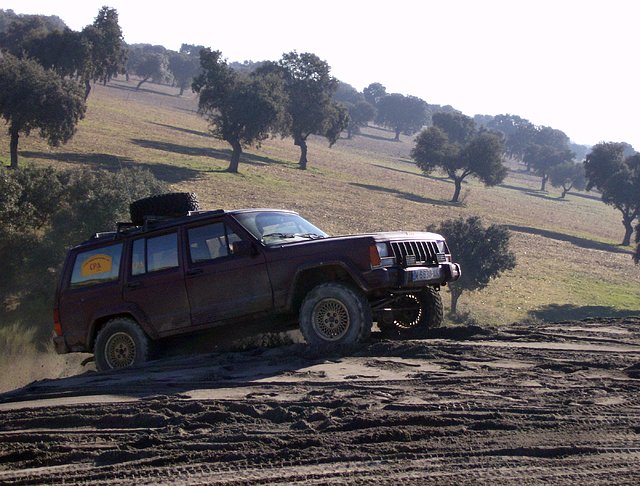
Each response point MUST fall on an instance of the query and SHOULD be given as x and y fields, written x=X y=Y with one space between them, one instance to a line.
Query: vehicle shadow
x=567 y=312
x=402 y=194
x=113 y=163
x=575 y=240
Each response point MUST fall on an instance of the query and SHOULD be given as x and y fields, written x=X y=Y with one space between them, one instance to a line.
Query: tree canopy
x=33 y=98
x=617 y=177
x=184 y=66
x=402 y=114
x=310 y=106
x=454 y=145
x=483 y=253
x=242 y=110
x=360 y=111
x=567 y=175
x=548 y=147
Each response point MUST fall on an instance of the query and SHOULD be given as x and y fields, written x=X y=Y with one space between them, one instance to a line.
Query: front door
x=155 y=282
x=222 y=285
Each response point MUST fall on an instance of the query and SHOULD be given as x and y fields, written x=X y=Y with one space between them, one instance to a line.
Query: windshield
x=275 y=228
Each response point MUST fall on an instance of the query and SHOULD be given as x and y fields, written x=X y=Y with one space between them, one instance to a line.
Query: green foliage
x=483 y=253
x=374 y=93
x=567 y=175
x=42 y=213
x=16 y=30
x=549 y=147
x=617 y=177
x=32 y=98
x=403 y=114
x=184 y=68
x=108 y=53
x=310 y=107
x=454 y=145
x=241 y=110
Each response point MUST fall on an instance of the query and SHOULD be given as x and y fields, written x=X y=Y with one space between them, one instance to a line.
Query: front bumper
x=421 y=276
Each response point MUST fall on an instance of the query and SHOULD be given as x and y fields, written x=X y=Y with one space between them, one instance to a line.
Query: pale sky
x=568 y=64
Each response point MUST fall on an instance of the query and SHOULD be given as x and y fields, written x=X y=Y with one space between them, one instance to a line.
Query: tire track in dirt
x=450 y=410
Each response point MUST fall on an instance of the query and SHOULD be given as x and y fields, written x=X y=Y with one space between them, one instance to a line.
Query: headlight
x=442 y=247
x=383 y=250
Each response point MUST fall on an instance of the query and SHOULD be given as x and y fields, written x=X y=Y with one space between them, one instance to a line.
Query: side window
x=97 y=266
x=210 y=242
x=154 y=254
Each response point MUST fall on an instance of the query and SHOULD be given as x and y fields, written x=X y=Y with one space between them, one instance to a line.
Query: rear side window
x=96 y=266
x=154 y=254
x=210 y=242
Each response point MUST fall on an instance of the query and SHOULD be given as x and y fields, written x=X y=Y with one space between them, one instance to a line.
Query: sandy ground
x=522 y=404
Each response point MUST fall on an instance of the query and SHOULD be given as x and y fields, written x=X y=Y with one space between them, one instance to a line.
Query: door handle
x=194 y=271
x=134 y=285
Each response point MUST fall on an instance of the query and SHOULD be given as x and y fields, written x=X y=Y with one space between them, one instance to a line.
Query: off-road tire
x=334 y=314
x=424 y=312
x=121 y=343
x=172 y=205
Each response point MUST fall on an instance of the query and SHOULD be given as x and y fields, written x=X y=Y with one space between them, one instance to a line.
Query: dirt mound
x=523 y=404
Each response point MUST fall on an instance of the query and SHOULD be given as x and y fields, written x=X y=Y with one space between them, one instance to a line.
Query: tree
x=549 y=147
x=108 y=53
x=32 y=97
x=618 y=179
x=242 y=110
x=402 y=114
x=483 y=253
x=518 y=133
x=65 y=51
x=310 y=106
x=567 y=175
x=374 y=93
x=150 y=65
x=184 y=68
x=454 y=145
x=360 y=111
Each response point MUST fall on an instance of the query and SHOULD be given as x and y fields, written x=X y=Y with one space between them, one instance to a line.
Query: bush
x=42 y=213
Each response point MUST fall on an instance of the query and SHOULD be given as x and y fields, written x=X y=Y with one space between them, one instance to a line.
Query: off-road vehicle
x=174 y=270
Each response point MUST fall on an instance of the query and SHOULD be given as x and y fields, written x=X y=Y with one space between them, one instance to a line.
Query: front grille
x=410 y=253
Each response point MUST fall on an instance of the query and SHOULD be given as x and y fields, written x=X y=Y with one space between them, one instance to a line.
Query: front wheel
x=120 y=344
x=334 y=314
x=414 y=314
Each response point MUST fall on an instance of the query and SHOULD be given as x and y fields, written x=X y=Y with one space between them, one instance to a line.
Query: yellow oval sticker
x=96 y=264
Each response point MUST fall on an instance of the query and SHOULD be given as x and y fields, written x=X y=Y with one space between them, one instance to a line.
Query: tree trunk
x=87 y=88
x=455 y=295
x=565 y=190
x=458 y=187
x=627 y=221
x=545 y=178
x=142 y=81
x=397 y=139
x=235 y=157
x=15 y=136
x=302 y=143
x=181 y=90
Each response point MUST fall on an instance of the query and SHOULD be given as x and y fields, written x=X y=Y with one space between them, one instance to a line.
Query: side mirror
x=243 y=248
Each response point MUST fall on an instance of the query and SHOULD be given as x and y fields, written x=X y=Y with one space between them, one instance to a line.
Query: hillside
x=569 y=264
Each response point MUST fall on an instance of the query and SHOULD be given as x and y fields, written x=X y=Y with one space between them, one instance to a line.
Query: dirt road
x=525 y=404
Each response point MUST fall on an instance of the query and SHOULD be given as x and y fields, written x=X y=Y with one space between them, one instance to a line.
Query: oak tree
x=454 y=145
x=34 y=98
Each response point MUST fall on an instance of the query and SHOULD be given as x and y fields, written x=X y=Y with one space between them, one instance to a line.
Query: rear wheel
x=414 y=314
x=334 y=314
x=121 y=344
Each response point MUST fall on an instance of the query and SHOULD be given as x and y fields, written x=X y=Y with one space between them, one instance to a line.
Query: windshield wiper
x=278 y=235
x=313 y=236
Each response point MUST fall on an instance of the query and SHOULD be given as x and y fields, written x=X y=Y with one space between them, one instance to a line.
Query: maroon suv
x=121 y=290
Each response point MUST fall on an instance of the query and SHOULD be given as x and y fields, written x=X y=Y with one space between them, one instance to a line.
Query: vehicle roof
x=128 y=229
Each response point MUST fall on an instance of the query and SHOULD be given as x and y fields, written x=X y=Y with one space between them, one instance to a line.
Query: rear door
x=155 y=281
x=222 y=285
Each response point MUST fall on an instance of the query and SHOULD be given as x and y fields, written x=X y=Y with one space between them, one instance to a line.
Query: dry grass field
x=569 y=264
